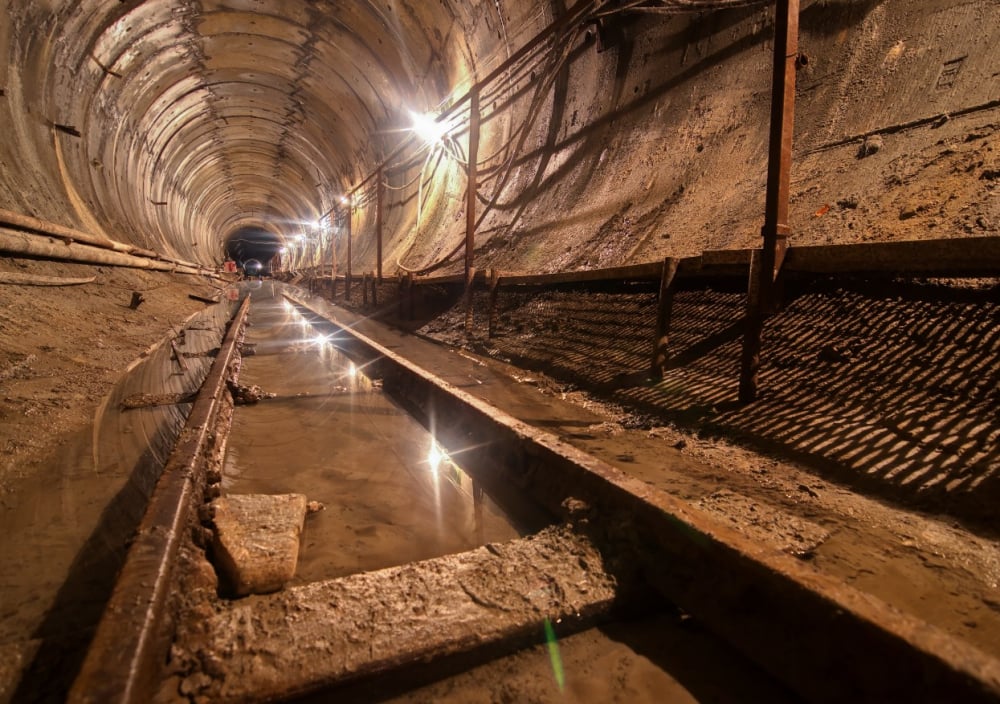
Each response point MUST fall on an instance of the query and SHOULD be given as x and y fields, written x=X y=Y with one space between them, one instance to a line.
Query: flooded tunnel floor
x=330 y=433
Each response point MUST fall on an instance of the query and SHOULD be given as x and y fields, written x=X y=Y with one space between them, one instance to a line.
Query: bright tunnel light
x=436 y=456
x=427 y=127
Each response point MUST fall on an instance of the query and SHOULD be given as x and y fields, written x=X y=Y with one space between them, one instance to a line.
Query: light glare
x=436 y=456
x=427 y=127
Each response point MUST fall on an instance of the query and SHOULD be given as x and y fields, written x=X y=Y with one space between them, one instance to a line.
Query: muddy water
x=66 y=536
x=330 y=433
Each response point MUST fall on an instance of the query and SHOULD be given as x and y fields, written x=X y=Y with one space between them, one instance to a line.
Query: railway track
x=611 y=539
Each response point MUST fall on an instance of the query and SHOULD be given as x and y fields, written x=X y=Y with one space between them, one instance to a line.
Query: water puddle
x=391 y=495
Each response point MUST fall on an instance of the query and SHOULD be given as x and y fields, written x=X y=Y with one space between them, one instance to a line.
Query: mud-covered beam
x=124 y=659
x=319 y=635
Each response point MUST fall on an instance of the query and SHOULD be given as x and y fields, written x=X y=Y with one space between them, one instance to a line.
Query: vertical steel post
x=494 y=292
x=379 y=218
x=663 y=314
x=347 y=276
x=470 y=204
x=779 y=165
x=333 y=259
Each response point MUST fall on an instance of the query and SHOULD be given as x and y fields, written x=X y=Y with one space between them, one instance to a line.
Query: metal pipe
x=49 y=247
x=779 y=165
x=45 y=228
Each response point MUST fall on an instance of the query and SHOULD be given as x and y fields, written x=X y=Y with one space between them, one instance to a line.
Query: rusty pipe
x=37 y=227
x=51 y=247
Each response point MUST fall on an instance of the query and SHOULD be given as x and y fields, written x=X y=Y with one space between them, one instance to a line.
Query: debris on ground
x=248 y=395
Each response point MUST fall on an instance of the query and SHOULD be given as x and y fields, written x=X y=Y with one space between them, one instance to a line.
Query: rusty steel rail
x=129 y=647
x=816 y=634
x=956 y=257
x=948 y=258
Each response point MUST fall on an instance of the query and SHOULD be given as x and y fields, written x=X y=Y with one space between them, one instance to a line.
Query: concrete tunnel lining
x=182 y=127
x=173 y=104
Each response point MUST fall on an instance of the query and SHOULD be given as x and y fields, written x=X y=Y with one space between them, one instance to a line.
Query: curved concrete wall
x=171 y=125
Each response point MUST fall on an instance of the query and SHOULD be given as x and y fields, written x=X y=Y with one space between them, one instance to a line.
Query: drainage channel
x=363 y=617
x=411 y=560
x=388 y=492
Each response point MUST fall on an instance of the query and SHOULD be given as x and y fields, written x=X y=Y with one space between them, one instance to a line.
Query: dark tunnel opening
x=253 y=248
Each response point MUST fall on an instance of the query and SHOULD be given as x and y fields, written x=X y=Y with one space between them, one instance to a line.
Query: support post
x=470 y=279
x=347 y=278
x=364 y=290
x=494 y=292
x=411 y=293
x=379 y=220
x=333 y=261
x=374 y=281
x=663 y=315
x=401 y=292
x=779 y=162
x=470 y=204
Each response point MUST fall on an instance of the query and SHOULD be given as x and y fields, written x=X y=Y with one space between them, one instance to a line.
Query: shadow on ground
x=891 y=388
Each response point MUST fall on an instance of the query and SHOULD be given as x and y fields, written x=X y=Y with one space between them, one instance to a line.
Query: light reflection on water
x=391 y=494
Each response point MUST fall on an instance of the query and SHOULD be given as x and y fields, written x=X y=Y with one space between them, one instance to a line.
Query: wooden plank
x=965 y=256
x=448 y=280
x=642 y=272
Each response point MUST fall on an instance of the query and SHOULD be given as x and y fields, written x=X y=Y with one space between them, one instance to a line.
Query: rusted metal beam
x=494 y=294
x=470 y=205
x=379 y=221
x=811 y=630
x=779 y=166
x=960 y=256
x=347 y=277
x=124 y=659
x=663 y=314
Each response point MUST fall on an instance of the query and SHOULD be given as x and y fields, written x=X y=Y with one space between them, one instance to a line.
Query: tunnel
x=253 y=248
x=680 y=317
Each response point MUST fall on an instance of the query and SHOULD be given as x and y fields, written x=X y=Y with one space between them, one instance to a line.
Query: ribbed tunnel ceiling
x=204 y=117
x=637 y=131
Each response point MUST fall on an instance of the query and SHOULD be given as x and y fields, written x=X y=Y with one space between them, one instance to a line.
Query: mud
x=77 y=469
